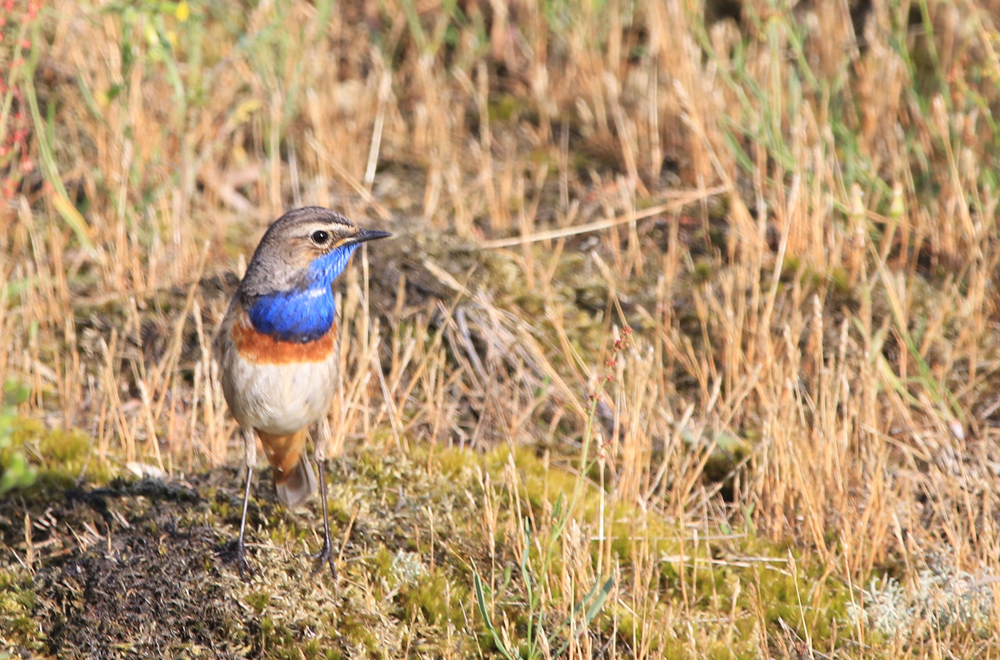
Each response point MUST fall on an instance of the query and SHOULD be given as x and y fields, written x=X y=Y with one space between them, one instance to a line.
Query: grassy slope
x=788 y=454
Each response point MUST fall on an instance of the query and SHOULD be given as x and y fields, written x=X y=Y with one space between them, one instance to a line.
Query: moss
x=359 y=632
x=17 y=602
x=373 y=466
x=259 y=601
x=543 y=482
x=504 y=107
x=64 y=447
x=63 y=454
x=532 y=302
x=805 y=595
x=283 y=531
x=450 y=463
x=436 y=598
x=710 y=583
x=393 y=593
x=380 y=564
x=703 y=270
x=222 y=507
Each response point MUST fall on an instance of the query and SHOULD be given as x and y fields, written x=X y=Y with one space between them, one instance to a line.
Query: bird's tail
x=298 y=486
x=294 y=479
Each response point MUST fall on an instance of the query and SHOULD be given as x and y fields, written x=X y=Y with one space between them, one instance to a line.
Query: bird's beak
x=369 y=235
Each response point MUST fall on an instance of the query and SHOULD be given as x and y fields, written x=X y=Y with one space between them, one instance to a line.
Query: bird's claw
x=236 y=552
x=324 y=556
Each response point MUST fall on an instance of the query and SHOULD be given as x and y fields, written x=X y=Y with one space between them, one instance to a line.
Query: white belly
x=278 y=398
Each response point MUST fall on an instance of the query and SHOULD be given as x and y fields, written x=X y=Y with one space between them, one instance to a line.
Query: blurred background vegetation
x=686 y=344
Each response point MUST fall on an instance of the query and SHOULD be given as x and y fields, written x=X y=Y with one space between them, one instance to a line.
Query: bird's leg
x=240 y=551
x=325 y=555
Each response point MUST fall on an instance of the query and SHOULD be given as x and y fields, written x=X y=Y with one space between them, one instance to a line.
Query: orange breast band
x=265 y=349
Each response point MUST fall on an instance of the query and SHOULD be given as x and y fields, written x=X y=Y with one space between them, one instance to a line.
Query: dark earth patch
x=137 y=568
x=122 y=572
x=147 y=595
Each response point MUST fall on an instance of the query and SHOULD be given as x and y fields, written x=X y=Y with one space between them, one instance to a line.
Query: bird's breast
x=273 y=385
x=299 y=315
x=261 y=348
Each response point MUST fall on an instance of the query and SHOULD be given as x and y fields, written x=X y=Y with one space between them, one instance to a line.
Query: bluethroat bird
x=278 y=345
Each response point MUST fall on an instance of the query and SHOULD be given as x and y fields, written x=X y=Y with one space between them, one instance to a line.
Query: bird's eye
x=320 y=237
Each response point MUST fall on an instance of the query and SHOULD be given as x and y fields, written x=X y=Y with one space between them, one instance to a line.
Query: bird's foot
x=236 y=552
x=324 y=556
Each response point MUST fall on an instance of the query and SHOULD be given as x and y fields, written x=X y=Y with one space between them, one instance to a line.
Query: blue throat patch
x=304 y=314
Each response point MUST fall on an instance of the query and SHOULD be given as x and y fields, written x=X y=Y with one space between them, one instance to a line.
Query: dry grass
x=733 y=279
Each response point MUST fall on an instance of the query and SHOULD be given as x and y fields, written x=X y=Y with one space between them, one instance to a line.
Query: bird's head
x=303 y=249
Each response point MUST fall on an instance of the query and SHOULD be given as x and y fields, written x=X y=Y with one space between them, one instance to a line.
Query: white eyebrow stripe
x=333 y=227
